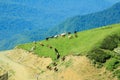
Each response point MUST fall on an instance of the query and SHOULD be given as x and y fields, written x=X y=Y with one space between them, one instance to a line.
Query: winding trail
x=21 y=72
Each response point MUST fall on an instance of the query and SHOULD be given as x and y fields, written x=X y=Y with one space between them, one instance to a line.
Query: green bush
x=98 y=55
x=117 y=73
x=110 y=42
x=112 y=64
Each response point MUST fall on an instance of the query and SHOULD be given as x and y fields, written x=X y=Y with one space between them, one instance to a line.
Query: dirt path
x=21 y=72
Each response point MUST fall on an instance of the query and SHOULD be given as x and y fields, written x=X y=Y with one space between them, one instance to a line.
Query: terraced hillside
x=101 y=45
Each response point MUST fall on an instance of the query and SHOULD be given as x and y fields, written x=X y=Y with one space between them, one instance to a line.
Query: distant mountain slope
x=78 y=23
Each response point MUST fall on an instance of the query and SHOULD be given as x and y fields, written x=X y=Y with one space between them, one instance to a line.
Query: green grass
x=117 y=73
x=86 y=41
x=112 y=64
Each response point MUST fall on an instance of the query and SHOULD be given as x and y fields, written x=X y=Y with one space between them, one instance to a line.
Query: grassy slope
x=86 y=41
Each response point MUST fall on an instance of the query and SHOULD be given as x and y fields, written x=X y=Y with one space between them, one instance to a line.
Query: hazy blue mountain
x=28 y=20
x=79 y=23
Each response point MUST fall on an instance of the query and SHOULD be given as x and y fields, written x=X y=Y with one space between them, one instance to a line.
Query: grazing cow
x=58 y=55
x=56 y=50
x=63 y=34
x=70 y=37
x=33 y=48
x=76 y=35
x=49 y=46
x=63 y=58
x=56 y=36
x=69 y=33
x=75 y=32
x=55 y=69
x=49 y=67
x=47 y=38
x=41 y=44
x=55 y=64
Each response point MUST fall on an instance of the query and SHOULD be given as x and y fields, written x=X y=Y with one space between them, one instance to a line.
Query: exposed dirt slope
x=73 y=68
x=20 y=71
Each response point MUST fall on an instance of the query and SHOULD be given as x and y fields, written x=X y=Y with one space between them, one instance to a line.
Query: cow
x=49 y=46
x=70 y=37
x=75 y=32
x=69 y=33
x=63 y=58
x=55 y=69
x=63 y=34
x=58 y=54
x=56 y=36
x=49 y=67
x=33 y=48
x=76 y=35
x=55 y=64
x=47 y=38
x=41 y=44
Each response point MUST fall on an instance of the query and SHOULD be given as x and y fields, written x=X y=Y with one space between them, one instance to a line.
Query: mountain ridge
x=93 y=20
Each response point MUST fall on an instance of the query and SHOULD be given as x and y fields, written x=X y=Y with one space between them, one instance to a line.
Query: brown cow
x=41 y=44
x=55 y=69
x=63 y=58
x=76 y=35
x=70 y=37
x=55 y=64
x=49 y=67
x=49 y=46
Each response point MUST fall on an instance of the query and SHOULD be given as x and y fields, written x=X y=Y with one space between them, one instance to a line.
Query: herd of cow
x=63 y=35
x=55 y=49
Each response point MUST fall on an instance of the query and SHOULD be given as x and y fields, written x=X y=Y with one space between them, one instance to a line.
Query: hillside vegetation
x=85 y=42
x=101 y=45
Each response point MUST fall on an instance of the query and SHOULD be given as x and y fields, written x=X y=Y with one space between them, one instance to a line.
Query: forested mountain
x=78 y=23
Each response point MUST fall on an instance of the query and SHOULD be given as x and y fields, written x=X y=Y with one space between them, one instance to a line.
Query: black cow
x=58 y=54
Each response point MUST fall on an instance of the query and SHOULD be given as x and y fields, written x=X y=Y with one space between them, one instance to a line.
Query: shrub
x=98 y=55
x=112 y=64
x=117 y=73
x=110 y=42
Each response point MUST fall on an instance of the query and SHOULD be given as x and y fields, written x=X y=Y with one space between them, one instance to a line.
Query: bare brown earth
x=28 y=66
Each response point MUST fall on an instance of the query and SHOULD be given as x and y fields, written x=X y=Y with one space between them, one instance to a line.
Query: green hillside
x=101 y=45
x=84 y=43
